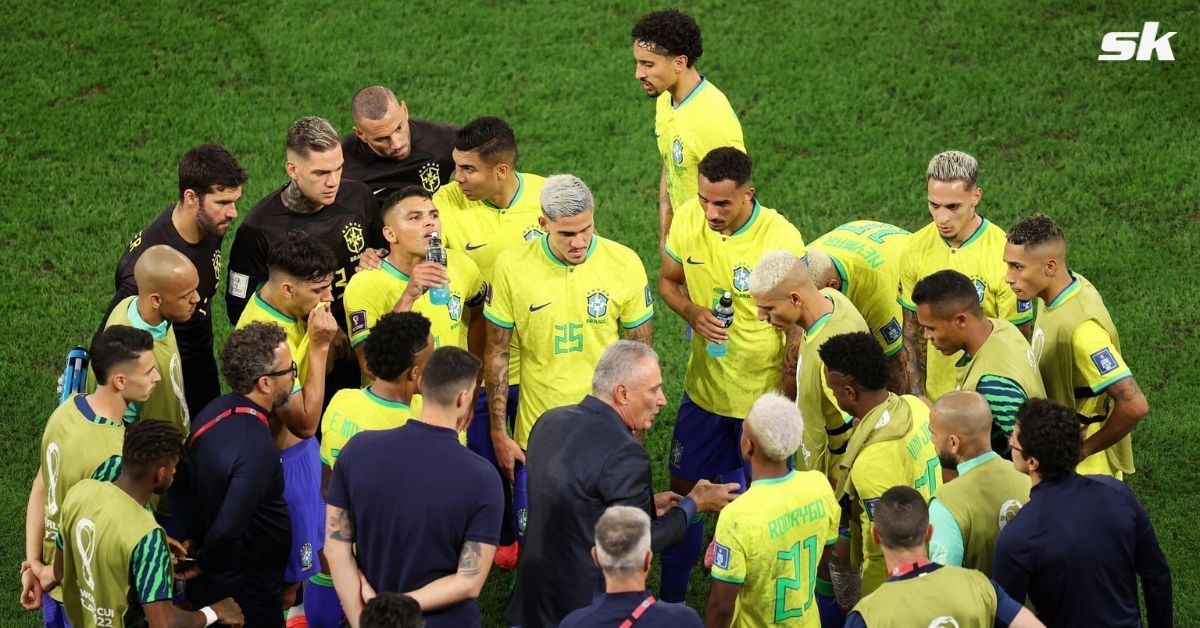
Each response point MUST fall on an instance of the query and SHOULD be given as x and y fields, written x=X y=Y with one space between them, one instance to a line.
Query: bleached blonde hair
x=775 y=423
x=771 y=270
x=952 y=166
x=820 y=267
x=565 y=195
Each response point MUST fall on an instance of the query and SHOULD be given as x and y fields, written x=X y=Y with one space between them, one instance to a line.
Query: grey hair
x=310 y=134
x=820 y=266
x=952 y=166
x=771 y=270
x=616 y=366
x=622 y=540
x=565 y=195
x=776 y=424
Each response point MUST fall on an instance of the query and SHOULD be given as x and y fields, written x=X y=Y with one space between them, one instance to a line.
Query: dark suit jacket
x=581 y=460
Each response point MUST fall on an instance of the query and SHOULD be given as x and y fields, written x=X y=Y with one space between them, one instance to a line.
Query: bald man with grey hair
x=623 y=553
x=969 y=513
x=388 y=149
x=787 y=297
x=581 y=460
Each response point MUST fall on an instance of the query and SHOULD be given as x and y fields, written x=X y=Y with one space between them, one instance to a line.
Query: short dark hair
x=394 y=342
x=670 y=33
x=148 y=444
x=115 y=346
x=902 y=518
x=301 y=255
x=371 y=103
x=948 y=289
x=207 y=167
x=1035 y=230
x=391 y=610
x=1049 y=433
x=491 y=137
x=411 y=190
x=726 y=164
x=448 y=371
x=858 y=355
x=249 y=352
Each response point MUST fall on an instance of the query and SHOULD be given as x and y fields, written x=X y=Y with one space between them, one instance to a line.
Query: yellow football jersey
x=714 y=263
x=769 y=540
x=373 y=293
x=867 y=256
x=980 y=257
x=483 y=231
x=259 y=311
x=354 y=410
x=686 y=132
x=564 y=317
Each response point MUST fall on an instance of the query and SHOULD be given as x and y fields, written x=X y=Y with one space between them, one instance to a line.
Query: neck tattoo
x=296 y=201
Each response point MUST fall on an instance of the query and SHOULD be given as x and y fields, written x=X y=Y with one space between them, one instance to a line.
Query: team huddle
x=438 y=365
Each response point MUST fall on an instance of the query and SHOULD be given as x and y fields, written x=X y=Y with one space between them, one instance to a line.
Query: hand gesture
x=704 y=323
x=370 y=259
x=711 y=497
x=321 y=326
x=508 y=453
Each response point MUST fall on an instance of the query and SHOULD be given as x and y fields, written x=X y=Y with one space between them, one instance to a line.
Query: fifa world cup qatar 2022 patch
x=1104 y=361
x=358 y=321
x=720 y=556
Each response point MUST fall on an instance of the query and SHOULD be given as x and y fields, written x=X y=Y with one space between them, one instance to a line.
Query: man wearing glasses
x=229 y=496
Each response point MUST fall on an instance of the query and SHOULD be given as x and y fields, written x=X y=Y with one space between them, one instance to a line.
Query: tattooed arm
x=643 y=333
x=914 y=344
x=339 y=552
x=474 y=562
x=898 y=372
x=791 y=358
x=1129 y=407
x=508 y=453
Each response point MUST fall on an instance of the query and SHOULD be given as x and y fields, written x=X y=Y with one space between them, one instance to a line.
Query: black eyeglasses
x=291 y=369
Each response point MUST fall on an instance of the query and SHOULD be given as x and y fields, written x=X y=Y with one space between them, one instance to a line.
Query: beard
x=948 y=461
x=281 y=399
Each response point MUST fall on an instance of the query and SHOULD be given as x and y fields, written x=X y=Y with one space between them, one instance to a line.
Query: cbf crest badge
x=741 y=279
x=306 y=557
x=980 y=287
x=597 y=304
x=677 y=150
x=216 y=262
x=352 y=233
x=431 y=176
x=533 y=233
x=455 y=307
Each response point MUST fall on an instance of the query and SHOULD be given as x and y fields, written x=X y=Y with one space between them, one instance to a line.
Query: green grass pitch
x=842 y=106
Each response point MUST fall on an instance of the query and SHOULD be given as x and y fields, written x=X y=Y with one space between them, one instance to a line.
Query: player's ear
x=977 y=194
x=293 y=171
x=875 y=536
x=680 y=64
x=595 y=558
x=648 y=562
x=749 y=194
x=928 y=532
x=190 y=197
x=543 y=223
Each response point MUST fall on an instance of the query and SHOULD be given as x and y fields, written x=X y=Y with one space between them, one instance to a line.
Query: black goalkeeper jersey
x=342 y=226
x=195 y=337
x=429 y=164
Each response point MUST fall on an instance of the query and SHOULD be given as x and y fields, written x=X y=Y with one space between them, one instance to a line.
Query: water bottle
x=74 y=376
x=436 y=253
x=723 y=310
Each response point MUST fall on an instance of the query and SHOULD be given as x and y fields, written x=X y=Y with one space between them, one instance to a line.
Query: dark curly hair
x=148 y=444
x=248 y=353
x=491 y=137
x=394 y=342
x=208 y=166
x=947 y=289
x=408 y=191
x=1035 y=230
x=116 y=345
x=858 y=355
x=669 y=33
x=726 y=164
x=391 y=610
x=302 y=256
x=1049 y=433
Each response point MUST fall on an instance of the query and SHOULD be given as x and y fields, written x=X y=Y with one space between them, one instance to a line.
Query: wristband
x=210 y=616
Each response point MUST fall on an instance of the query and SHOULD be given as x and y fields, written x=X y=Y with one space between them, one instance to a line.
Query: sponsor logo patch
x=721 y=556
x=238 y=284
x=1104 y=361
x=891 y=332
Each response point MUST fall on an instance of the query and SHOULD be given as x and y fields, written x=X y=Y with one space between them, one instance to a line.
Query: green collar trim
x=262 y=303
x=695 y=90
x=967 y=465
x=395 y=272
x=817 y=326
x=1067 y=292
x=520 y=188
x=841 y=271
x=783 y=478
x=387 y=403
x=159 y=331
x=749 y=222
x=974 y=236
x=554 y=258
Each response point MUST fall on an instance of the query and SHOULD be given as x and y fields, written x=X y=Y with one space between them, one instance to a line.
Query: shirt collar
x=983 y=223
x=393 y=271
x=967 y=465
x=387 y=403
x=270 y=309
x=159 y=331
x=554 y=258
x=1071 y=290
x=515 y=198
x=88 y=413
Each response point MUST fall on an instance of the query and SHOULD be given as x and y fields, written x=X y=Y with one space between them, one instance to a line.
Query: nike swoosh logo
x=534 y=308
x=472 y=247
x=692 y=261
